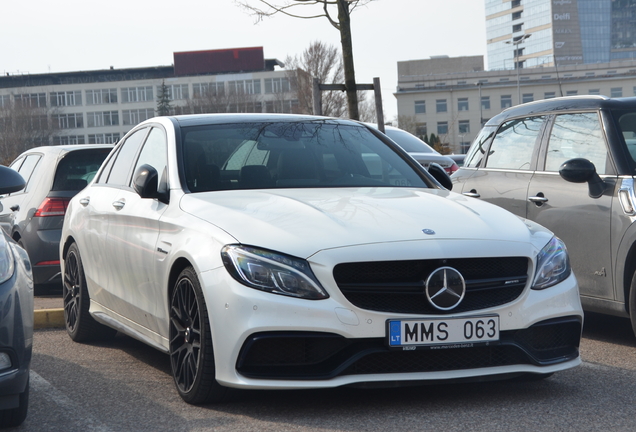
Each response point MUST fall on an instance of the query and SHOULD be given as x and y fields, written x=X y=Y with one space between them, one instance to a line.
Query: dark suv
x=568 y=164
x=33 y=216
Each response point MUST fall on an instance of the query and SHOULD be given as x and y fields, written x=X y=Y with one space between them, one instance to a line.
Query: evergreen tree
x=163 y=100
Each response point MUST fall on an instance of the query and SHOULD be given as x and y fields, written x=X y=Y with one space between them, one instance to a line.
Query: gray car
x=33 y=216
x=570 y=165
x=16 y=319
x=419 y=150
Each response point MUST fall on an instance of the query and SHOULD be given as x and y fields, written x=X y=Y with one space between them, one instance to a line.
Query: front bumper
x=269 y=341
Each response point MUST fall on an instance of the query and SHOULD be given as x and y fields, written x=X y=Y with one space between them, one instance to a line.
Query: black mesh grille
x=398 y=286
x=306 y=355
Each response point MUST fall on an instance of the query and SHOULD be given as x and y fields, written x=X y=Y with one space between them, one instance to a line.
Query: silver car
x=568 y=164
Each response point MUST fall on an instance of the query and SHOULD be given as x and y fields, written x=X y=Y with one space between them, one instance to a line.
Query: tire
x=80 y=325
x=15 y=416
x=632 y=303
x=191 y=352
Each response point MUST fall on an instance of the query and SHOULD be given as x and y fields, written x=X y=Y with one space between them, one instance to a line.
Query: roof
x=563 y=104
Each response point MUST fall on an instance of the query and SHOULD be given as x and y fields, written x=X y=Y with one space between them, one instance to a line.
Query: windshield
x=408 y=142
x=290 y=155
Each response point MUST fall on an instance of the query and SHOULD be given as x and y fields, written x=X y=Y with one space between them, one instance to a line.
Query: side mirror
x=146 y=181
x=10 y=180
x=440 y=175
x=581 y=170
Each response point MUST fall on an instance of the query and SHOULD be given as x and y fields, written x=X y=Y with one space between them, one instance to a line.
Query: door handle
x=119 y=204
x=472 y=193
x=539 y=199
x=15 y=208
x=85 y=201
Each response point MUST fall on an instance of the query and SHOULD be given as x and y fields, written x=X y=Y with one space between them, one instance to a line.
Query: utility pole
x=515 y=43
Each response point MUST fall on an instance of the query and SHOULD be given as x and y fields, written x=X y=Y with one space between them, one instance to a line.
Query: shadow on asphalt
x=608 y=329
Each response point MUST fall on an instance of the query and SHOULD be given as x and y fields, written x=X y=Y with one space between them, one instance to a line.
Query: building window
x=549 y=95
x=506 y=101
x=464 y=126
x=442 y=128
x=462 y=104
x=517 y=28
x=5 y=101
x=69 y=121
x=107 y=138
x=208 y=89
x=420 y=107
x=485 y=102
x=31 y=100
x=69 y=139
x=421 y=130
x=516 y=15
x=133 y=117
x=245 y=87
x=616 y=92
x=136 y=94
x=277 y=85
x=176 y=91
x=594 y=92
x=527 y=97
x=571 y=92
x=441 y=105
x=277 y=106
x=102 y=118
x=102 y=96
x=515 y=3
x=66 y=98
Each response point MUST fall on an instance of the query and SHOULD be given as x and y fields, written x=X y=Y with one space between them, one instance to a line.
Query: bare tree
x=325 y=63
x=340 y=18
x=22 y=127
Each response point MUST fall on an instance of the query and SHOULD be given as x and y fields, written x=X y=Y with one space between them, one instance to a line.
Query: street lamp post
x=515 y=43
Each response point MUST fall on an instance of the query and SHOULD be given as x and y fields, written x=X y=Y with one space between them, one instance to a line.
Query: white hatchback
x=277 y=252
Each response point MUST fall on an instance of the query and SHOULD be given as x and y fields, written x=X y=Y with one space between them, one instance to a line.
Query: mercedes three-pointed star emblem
x=445 y=288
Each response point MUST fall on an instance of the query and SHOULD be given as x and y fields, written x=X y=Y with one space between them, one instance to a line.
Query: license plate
x=450 y=331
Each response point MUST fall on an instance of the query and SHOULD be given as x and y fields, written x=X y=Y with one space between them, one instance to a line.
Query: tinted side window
x=514 y=144
x=154 y=154
x=121 y=171
x=478 y=149
x=27 y=168
x=577 y=136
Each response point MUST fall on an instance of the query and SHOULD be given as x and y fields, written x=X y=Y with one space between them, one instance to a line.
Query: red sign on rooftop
x=219 y=61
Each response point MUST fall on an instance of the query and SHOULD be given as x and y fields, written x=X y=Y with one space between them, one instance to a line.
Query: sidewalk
x=48 y=311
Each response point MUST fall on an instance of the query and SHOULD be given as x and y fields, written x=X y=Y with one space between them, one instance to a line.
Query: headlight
x=272 y=272
x=7 y=265
x=553 y=265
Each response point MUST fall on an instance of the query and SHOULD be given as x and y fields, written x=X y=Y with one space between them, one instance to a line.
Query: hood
x=302 y=222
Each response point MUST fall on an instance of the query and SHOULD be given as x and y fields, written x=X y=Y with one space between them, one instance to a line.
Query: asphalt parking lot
x=125 y=385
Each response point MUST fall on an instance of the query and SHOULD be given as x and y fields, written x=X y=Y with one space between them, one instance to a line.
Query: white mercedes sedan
x=269 y=251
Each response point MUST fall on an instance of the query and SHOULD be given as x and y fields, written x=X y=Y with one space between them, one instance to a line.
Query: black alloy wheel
x=80 y=325
x=191 y=353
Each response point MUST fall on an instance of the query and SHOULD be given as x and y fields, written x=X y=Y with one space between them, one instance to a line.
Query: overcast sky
x=41 y=36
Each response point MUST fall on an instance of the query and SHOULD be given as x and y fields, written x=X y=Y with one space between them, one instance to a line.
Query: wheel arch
x=177 y=267
x=626 y=266
x=67 y=243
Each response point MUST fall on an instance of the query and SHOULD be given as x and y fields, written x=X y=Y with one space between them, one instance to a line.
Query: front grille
x=398 y=286
x=319 y=356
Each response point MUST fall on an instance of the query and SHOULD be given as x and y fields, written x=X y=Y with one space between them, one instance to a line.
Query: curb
x=48 y=318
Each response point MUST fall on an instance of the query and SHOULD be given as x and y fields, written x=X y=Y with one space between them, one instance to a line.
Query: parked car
x=568 y=164
x=278 y=251
x=16 y=319
x=419 y=150
x=458 y=158
x=33 y=216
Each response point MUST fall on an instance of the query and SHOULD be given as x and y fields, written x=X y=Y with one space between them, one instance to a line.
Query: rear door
x=11 y=204
x=583 y=223
x=508 y=166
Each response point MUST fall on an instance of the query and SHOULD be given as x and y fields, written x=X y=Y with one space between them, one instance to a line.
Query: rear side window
x=514 y=144
x=78 y=168
x=26 y=167
x=577 y=136
x=478 y=149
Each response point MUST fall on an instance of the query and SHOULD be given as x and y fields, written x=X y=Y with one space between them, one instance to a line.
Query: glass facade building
x=531 y=33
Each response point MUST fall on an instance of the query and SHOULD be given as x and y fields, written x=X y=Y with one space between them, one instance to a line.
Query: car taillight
x=52 y=207
x=451 y=169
